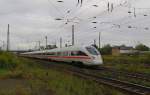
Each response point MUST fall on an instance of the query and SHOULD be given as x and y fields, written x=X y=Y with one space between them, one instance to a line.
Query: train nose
x=98 y=60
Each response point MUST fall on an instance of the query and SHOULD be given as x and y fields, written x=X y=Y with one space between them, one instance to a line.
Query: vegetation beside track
x=139 y=64
x=29 y=78
x=135 y=63
x=8 y=61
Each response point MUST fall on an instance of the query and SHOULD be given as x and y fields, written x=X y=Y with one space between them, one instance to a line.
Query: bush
x=142 y=47
x=128 y=59
x=8 y=60
x=106 y=50
x=137 y=63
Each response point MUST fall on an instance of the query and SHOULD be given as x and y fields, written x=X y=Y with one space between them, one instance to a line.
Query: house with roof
x=123 y=50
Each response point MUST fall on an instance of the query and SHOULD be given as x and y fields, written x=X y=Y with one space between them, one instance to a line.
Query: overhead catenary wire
x=111 y=27
x=82 y=19
x=58 y=10
x=77 y=16
x=96 y=16
x=92 y=18
x=110 y=23
x=103 y=12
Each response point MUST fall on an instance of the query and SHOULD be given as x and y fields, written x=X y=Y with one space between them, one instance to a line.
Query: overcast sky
x=31 y=20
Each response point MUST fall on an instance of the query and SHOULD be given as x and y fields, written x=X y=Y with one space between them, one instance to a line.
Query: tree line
x=107 y=49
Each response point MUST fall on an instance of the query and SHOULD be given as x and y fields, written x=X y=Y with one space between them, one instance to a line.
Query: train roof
x=71 y=48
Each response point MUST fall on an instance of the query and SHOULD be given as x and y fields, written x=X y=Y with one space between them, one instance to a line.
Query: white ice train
x=88 y=55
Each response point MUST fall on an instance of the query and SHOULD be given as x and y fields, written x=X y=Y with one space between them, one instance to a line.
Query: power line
x=61 y=14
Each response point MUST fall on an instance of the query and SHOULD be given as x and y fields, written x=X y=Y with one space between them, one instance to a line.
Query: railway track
x=122 y=85
x=113 y=82
x=141 y=76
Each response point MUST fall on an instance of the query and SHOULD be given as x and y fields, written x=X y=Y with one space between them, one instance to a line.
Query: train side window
x=65 y=53
x=78 y=53
x=58 y=53
x=81 y=53
x=92 y=50
x=51 y=53
x=74 y=53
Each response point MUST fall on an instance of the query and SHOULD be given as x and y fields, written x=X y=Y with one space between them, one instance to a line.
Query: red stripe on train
x=78 y=57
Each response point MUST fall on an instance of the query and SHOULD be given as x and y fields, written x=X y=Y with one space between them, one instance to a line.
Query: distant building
x=120 y=50
x=116 y=50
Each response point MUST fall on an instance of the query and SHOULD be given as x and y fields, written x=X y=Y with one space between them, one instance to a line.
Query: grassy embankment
x=137 y=63
x=20 y=76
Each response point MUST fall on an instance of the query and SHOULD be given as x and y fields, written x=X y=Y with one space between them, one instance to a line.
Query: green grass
x=8 y=60
x=135 y=64
x=129 y=63
x=43 y=81
x=3 y=72
x=63 y=84
x=50 y=81
x=144 y=59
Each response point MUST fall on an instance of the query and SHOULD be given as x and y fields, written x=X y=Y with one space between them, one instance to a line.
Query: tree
x=107 y=49
x=95 y=46
x=142 y=47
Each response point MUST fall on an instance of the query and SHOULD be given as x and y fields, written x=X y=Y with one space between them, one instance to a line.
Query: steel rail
x=142 y=76
x=113 y=82
x=122 y=85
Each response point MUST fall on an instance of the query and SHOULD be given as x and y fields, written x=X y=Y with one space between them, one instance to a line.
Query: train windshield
x=92 y=50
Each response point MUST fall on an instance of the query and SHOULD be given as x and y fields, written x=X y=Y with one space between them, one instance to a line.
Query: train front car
x=95 y=56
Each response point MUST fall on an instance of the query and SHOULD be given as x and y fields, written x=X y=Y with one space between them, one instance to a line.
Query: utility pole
x=99 y=40
x=39 y=44
x=72 y=35
x=60 y=42
x=46 y=41
x=3 y=45
x=94 y=42
x=134 y=13
x=8 y=40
